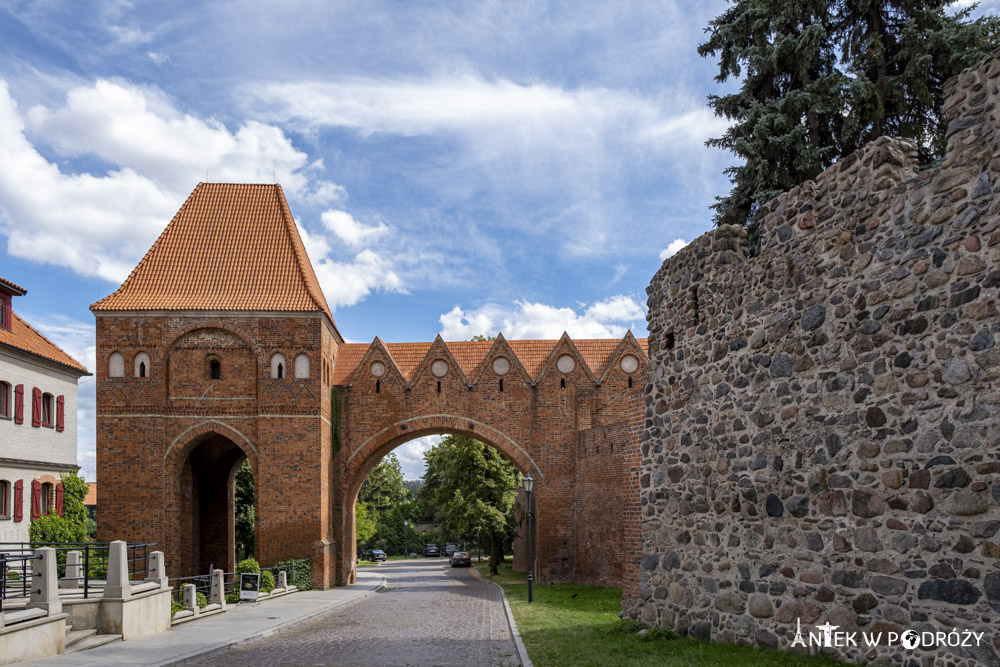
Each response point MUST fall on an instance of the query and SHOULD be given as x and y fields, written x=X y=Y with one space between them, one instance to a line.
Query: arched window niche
x=301 y=367
x=116 y=365
x=278 y=366
x=141 y=365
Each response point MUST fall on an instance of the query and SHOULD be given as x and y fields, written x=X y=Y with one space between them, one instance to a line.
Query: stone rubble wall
x=822 y=427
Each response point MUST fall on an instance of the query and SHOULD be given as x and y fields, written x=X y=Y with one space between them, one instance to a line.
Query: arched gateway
x=242 y=360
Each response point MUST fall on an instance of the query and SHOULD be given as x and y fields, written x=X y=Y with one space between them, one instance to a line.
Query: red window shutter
x=19 y=500
x=59 y=497
x=36 y=407
x=60 y=419
x=36 y=499
x=19 y=404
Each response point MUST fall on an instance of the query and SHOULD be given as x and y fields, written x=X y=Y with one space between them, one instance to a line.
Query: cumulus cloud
x=105 y=222
x=349 y=230
x=346 y=283
x=672 y=249
x=610 y=318
x=411 y=455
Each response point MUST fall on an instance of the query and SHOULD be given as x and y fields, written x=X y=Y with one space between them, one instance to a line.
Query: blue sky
x=455 y=168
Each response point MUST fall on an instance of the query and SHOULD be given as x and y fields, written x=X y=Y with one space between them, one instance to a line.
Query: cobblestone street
x=429 y=614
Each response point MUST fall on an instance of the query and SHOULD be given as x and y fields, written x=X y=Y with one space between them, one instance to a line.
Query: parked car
x=431 y=550
x=461 y=559
x=378 y=554
x=449 y=549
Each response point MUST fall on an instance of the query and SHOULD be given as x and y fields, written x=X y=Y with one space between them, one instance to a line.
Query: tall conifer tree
x=823 y=77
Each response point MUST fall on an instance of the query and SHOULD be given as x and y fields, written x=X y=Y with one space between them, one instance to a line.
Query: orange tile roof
x=469 y=354
x=231 y=246
x=91 y=498
x=24 y=337
x=12 y=287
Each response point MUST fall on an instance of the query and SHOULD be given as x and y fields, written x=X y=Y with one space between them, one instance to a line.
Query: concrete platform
x=219 y=632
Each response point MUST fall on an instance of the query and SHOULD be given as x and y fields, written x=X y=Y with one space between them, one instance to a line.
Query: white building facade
x=38 y=399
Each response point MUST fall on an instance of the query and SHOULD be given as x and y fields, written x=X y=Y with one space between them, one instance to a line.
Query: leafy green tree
x=364 y=524
x=472 y=488
x=72 y=525
x=821 y=78
x=245 y=517
x=384 y=486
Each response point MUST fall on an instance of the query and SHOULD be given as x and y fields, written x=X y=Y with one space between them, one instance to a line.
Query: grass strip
x=573 y=624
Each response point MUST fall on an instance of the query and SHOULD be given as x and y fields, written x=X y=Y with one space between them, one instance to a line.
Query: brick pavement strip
x=428 y=614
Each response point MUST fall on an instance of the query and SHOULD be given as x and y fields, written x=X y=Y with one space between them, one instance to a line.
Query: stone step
x=92 y=641
x=77 y=636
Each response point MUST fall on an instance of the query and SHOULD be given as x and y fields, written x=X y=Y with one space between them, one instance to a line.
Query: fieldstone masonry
x=822 y=431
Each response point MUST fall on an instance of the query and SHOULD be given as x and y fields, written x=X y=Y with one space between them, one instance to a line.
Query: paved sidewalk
x=217 y=633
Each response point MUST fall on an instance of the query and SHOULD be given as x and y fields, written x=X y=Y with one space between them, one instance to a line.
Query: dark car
x=449 y=549
x=461 y=559
x=431 y=550
x=378 y=554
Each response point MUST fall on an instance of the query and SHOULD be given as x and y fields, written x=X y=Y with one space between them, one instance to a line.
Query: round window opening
x=629 y=363
x=501 y=366
x=566 y=364
x=439 y=368
x=378 y=369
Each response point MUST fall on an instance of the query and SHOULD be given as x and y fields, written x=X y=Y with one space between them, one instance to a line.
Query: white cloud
x=346 y=283
x=158 y=58
x=104 y=223
x=350 y=231
x=610 y=318
x=411 y=455
x=672 y=249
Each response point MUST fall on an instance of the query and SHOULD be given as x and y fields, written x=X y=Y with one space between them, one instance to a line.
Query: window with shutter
x=5 y=400
x=59 y=499
x=4 y=499
x=36 y=407
x=19 y=500
x=19 y=404
x=36 y=499
x=61 y=413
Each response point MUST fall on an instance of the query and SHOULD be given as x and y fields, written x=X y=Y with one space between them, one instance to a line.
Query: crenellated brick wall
x=822 y=432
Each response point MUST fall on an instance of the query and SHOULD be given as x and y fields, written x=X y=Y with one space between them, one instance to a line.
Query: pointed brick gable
x=231 y=246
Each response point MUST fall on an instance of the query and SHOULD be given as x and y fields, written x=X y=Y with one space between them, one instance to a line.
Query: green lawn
x=571 y=624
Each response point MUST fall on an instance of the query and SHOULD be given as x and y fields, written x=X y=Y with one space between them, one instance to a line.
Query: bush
x=266 y=581
x=201 y=600
x=248 y=565
x=175 y=607
x=232 y=597
x=299 y=572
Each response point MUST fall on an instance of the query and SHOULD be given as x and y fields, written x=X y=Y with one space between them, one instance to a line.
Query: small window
x=4 y=499
x=48 y=498
x=302 y=367
x=116 y=365
x=47 y=410
x=141 y=365
x=215 y=369
x=5 y=314
x=278 y=366
x=4 y=400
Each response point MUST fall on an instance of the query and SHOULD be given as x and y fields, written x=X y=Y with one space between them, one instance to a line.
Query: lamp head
x=529 y=483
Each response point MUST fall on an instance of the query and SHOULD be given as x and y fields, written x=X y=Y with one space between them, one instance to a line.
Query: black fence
x=93 y=560
x=16 y=581
x=230 y=582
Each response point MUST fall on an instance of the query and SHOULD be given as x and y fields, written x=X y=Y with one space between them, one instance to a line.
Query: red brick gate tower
x=220 y=347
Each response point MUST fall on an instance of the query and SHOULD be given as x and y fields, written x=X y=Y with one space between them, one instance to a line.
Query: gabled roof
x=469 y=354
x=231 y=246
x=25 y=338
x=13 y=288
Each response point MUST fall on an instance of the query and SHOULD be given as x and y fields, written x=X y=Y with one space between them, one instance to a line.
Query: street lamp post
x=528 y=485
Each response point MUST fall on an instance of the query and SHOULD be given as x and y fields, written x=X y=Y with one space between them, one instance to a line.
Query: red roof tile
x=12 y=287
x=24 y=337
x=230 y=247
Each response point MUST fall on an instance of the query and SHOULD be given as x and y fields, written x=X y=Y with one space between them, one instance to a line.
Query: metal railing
x=16 y=580
x=93 y=560
x=230 y=582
